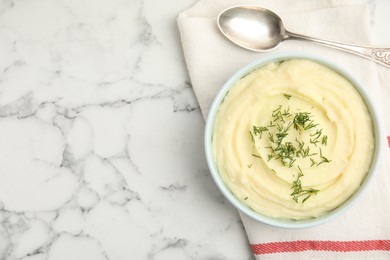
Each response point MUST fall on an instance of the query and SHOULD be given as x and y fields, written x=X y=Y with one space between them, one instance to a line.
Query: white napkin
x=364 y=231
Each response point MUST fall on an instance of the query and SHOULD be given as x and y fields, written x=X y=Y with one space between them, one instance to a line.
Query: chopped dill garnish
x=324 y=140
x=315 y=136
x=271 y=124
x=259 y=130
x=312 y=162
x=298 y=191
x=286 y=112
x=300 y=120
x=323 y=159
x=253 y=139
x=291 y=164
x=277 y=115
x=284 y=125
x=255 y=155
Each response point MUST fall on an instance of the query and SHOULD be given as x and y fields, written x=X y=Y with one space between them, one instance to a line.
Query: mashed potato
x=293 y=139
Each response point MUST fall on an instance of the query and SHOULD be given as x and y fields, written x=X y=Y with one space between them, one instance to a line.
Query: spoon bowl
x=259 y=29
x=253 y=28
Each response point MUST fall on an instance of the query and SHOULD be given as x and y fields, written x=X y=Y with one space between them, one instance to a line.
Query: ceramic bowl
x=285 y=223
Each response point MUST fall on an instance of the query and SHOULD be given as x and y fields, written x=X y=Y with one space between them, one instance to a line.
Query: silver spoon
x=259 y=29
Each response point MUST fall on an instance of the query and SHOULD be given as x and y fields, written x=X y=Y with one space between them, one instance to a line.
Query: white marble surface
x=101 y=153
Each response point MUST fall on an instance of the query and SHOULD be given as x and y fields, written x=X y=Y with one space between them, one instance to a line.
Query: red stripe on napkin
x=388 y=140
x=311 y=245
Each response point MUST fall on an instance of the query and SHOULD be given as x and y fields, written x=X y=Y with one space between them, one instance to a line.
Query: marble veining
x=101 y=153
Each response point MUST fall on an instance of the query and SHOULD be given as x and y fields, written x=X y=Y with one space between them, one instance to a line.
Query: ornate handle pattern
x=381 y=55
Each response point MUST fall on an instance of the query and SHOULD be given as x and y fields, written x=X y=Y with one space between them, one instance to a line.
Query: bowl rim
x=289 y=223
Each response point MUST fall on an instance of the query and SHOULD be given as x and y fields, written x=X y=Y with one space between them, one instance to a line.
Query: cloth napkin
x=363 y=232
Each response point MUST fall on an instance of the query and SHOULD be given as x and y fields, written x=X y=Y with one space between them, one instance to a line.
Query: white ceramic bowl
x=225 y=190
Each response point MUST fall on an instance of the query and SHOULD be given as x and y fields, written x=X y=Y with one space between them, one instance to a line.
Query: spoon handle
x=380 y=55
